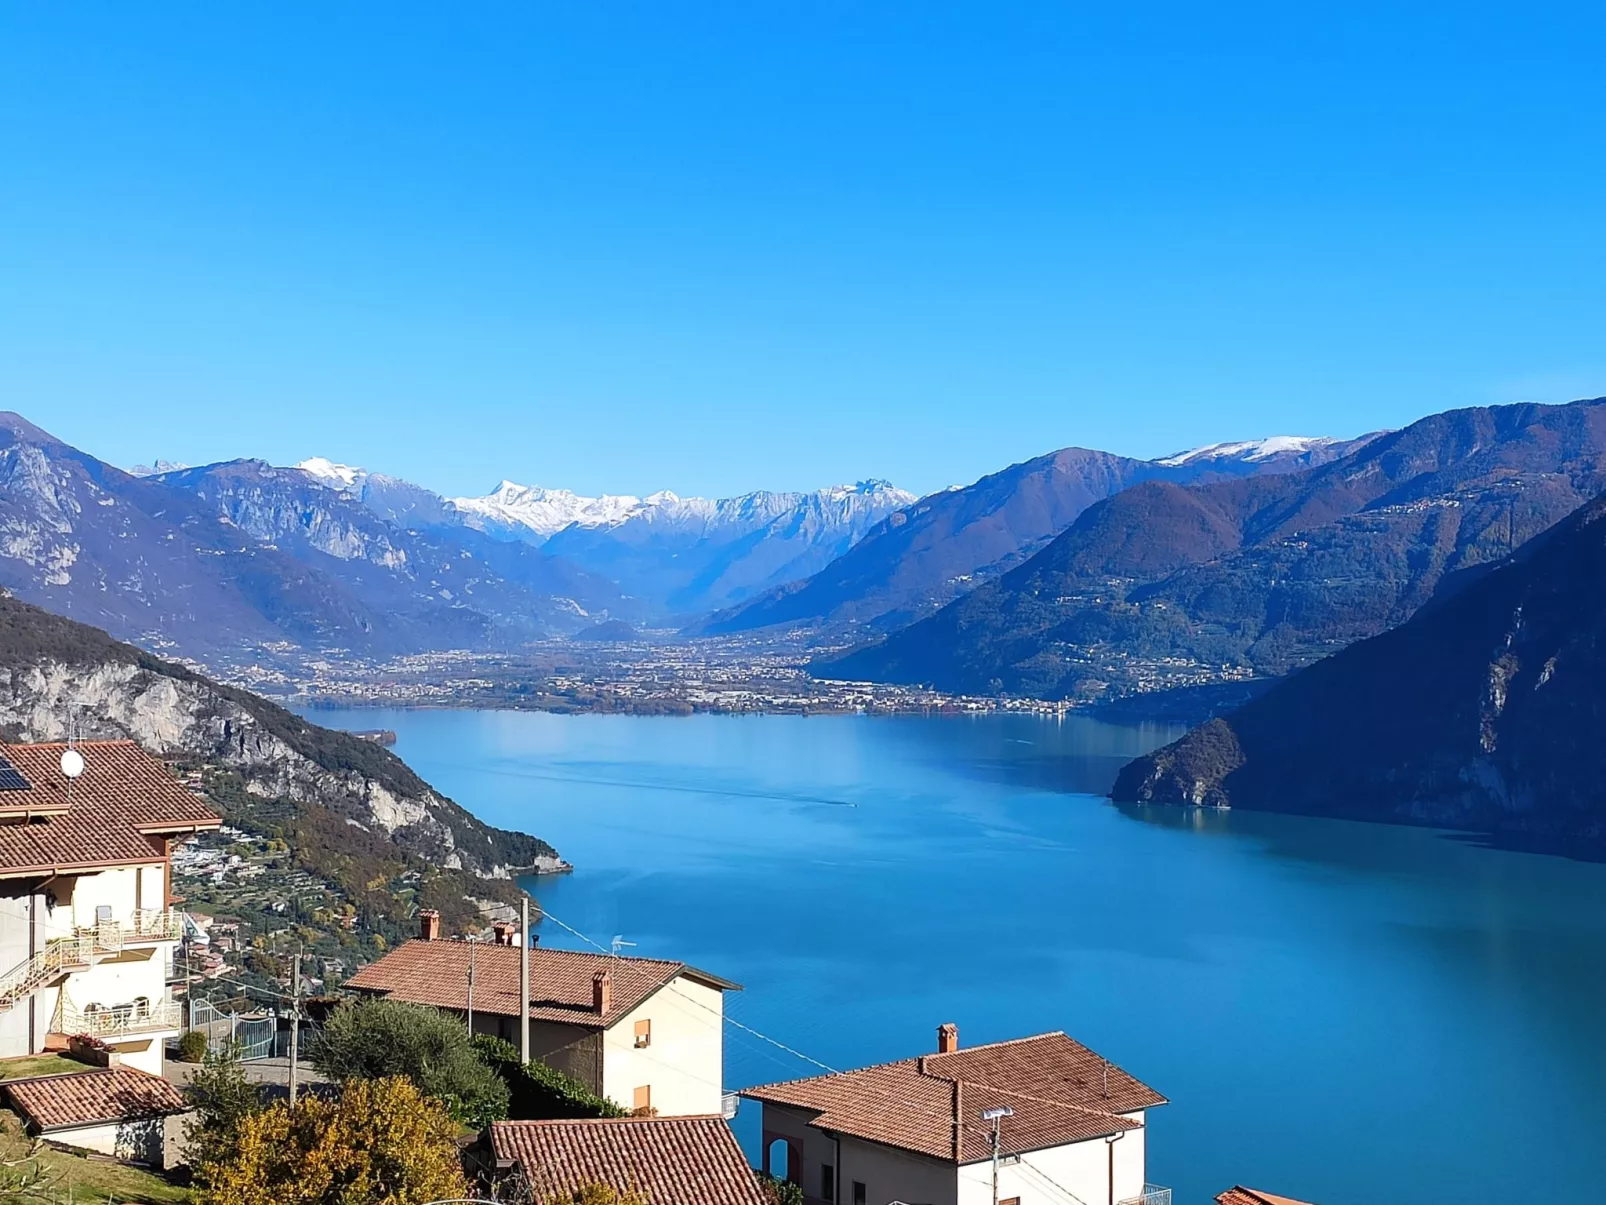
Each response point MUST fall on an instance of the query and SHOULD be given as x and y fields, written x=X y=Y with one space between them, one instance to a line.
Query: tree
x=223 y=1099
x=537 y=1092
x=383 y=1142
x=375 y=1039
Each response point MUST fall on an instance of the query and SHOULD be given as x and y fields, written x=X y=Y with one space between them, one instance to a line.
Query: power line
x=728 y=1019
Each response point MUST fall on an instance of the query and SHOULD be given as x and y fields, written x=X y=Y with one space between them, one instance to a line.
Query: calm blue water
x=1354 y=1014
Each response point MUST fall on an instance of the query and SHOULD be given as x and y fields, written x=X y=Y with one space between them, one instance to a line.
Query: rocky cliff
x=54 y=671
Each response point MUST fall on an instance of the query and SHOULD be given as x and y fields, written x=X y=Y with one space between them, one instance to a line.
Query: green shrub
x=537 y=1092
x=222 y=1098
x=779 y=1192
x=376 y=1039
x=192 y=1047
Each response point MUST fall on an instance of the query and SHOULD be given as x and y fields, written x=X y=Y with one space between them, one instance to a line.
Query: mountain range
x=946 y=544
x=690 y=555
x=1482 y=713
x=1260 y=574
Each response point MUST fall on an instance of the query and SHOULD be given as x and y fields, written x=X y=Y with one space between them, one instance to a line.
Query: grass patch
x=39 y=1064
x=78 y=1178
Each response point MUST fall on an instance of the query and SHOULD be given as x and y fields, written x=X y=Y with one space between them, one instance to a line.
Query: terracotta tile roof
x=56 y=1102
x=1059 y=1089
x=436 y=973
x=1239 y=1195
x=120 y=804
x=670 y=1160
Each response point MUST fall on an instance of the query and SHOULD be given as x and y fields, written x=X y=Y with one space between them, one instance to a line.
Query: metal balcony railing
x=1152 y=1194
x=155 y=924
x=120 y=1020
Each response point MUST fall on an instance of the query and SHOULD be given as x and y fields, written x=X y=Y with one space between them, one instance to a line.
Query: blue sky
x=713 y=247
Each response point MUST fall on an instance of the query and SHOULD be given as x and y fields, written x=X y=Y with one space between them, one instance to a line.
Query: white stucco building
x=647 y=1033
x=1070 y=1128
x=87 y=927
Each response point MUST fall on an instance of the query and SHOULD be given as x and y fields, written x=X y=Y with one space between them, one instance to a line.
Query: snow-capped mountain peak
x=328 y=472
x=1251 y=450
x=535 y=511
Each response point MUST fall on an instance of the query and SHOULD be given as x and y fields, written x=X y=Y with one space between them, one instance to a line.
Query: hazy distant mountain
x=1483 y=712
x=1269 y=572
x=689 y=555
x=246 y=560
x=946 y=544
x=462 y=589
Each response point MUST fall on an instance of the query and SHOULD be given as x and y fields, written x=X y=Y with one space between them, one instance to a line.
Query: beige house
x=87 y=928
x=1068 y=1126
x=644 y=1032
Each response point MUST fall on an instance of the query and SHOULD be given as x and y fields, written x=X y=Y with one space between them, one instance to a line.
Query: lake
x=1347 y=1013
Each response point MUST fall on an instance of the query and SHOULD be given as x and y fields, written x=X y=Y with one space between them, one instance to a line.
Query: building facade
x=1068 y=1126
x=647 y=1033
x=87 y=924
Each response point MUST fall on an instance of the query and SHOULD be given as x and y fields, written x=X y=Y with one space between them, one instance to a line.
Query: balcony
x=145 y=926
x=1152 y=1194
x=120 y=1021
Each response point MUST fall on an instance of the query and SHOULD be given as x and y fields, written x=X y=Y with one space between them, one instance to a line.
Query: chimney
x=602 y=993
x=502 y=933
x=947 y=1038
x=429 y=924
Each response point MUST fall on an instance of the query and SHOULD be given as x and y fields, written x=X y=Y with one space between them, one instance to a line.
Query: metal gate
x=253 y=1033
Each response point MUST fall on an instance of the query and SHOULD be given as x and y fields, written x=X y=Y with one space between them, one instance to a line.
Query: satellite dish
x=72 y=763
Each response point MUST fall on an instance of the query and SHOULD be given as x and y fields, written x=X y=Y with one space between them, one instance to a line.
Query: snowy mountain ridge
x=535 y=513
x=1251 y=450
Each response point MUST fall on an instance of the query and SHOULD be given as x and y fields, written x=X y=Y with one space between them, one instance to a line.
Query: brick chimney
x=502 y=933
x=602 y=993
x=947 y=1038
x=429 y=924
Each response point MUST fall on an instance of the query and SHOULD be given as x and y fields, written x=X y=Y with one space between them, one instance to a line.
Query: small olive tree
x=376 y=1039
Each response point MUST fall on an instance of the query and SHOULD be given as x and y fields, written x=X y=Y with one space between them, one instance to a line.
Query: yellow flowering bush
x=381 y=1142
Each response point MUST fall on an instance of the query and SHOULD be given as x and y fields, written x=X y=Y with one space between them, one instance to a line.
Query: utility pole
x=471 y=948
x=295 y=1022
x=524 y=980
x=995 y=1116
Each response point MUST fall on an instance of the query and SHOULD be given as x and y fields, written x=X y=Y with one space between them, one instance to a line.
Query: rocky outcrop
x=55 y=673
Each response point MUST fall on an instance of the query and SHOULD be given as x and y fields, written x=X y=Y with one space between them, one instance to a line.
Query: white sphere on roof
x=72 y=763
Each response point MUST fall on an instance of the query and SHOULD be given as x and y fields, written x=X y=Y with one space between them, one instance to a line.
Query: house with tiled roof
x=119 y=1111
x=647 y=1033
x=667 y=1160
x=87 y=925
x=1239 y=1195
x=1035 y=1121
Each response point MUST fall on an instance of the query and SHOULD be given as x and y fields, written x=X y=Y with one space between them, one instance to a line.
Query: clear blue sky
x=712 y=247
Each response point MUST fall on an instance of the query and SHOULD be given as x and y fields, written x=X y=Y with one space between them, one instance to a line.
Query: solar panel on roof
x=10 y=779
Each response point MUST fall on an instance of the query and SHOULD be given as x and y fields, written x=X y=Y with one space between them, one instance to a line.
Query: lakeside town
x=721 y=675
x=477 y=1062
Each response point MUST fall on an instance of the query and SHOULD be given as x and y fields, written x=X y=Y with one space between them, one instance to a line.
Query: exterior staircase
x=64 y=955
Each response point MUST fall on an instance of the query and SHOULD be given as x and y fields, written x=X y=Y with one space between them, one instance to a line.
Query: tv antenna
x=618 y=943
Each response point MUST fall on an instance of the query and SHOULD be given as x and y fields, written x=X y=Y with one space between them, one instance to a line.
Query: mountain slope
x=943 y=545
x=1483 y=712
x=1261 y=574
x=150 y=563
x=438 y=586
x=53 y=670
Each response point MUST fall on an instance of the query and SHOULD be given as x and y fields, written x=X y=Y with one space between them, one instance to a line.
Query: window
x=643 y=1034
x=827 y=1182
x=642 y=1100
x=858 y=1193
